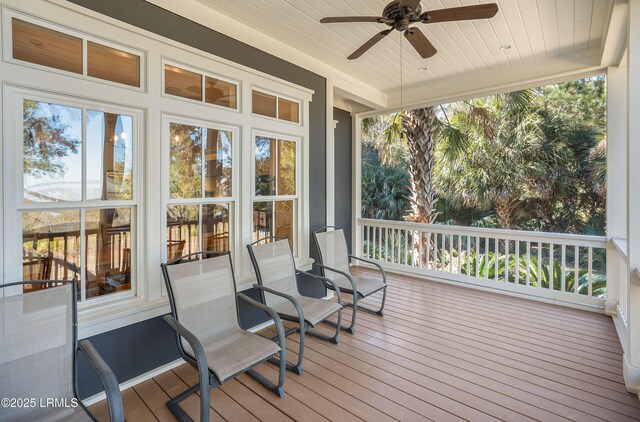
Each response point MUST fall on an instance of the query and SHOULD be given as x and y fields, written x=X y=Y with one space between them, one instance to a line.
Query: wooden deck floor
x=441 y=353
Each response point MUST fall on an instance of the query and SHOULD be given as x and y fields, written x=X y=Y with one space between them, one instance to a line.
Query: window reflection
x=284 y=220
x=218 y=163
x=110 y=156
x=182 y=83
x=265 y=166
x=215 y=227
x=112 y=64
x=264 y=104
x=183 y=231
x=220 y=92
x=288 y=110
x=262 y=220
x=185 y=162
x=108 y=250
x=50 y=246
x=52 y=152
x=286 y=168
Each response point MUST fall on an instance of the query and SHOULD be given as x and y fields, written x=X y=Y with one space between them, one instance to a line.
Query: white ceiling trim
x=204 y=15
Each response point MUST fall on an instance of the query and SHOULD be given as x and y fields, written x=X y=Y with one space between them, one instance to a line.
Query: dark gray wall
x=136 y=349
x=343 y=163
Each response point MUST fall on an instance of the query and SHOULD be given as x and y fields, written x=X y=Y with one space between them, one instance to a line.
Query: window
x=275 y=188
x=189 y=84
x=201 y=193
x=78 y=207
x=58 y=49
x=112 y=64
x=273 y=106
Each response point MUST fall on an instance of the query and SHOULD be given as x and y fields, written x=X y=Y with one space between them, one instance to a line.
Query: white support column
x=356 y=213
x=616 y=178
x=330 y=159
x=632 y=355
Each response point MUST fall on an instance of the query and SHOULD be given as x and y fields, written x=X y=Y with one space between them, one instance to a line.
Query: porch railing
x=563 y=267
x=620 y=272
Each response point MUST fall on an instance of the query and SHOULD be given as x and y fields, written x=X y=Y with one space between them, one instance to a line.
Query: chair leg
x=335 y=338
x=278 y=389
x=297 y=368
x=175 y=408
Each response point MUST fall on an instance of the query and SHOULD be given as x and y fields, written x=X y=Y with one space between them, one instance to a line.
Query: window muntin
x=186 y=83
x=112 y=64
x=200 y=203
x=39 y=45
x=271 y=105
x=85 y=239
x=65 y=50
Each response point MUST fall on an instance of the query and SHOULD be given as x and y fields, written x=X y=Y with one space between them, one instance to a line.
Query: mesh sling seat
x=276 y=273
x=335 y=262
x=38 y=346
x=204 y=316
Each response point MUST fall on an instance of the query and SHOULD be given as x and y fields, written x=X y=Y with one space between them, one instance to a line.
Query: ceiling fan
x=400 y=14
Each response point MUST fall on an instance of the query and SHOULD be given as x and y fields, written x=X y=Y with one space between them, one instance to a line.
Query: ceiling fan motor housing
x=400 y=17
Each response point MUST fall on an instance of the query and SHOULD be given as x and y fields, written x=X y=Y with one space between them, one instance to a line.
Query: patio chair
x=334 y=264
x=276 y=273
x=38 y=346
x=204 y=316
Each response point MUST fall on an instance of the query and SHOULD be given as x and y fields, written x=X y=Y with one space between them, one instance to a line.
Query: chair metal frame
x=207 y=378
x=304 y=327
x=356 y=295
x=106 y=375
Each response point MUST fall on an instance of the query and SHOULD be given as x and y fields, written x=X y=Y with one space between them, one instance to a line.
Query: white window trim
x=274 y=198
x=14 y=205
x=232 y=200
x=7 y=48
x=203 y=74
x=278 y=96
x=150 y=303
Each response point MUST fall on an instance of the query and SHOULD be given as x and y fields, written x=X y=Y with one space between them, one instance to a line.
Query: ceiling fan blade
x=359 y=52
x=481 y=11
x=344 y=19
x=420 y=42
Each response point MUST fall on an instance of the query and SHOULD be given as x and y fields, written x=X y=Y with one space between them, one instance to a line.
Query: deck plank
x=441 y=353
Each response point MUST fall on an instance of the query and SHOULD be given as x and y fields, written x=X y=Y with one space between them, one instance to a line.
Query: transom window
x=198 y=86
x=270 y=105
x=201 y=174
x=56 y=48
x=78 y=201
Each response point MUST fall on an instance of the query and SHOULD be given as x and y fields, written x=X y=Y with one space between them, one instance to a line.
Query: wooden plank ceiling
x=537 y=31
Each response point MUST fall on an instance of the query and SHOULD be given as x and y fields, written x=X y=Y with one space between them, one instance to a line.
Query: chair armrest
x=290 y=298
x=326 y=280
x=368 y=261
x=274 y=316
x=201 y=359
x=109 y=381
x=344 y=273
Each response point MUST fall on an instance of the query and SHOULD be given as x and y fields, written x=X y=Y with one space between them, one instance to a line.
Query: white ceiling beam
x=615 y=42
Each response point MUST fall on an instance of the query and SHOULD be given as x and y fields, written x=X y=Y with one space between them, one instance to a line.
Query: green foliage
x=532 y=160
x=386 y=188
